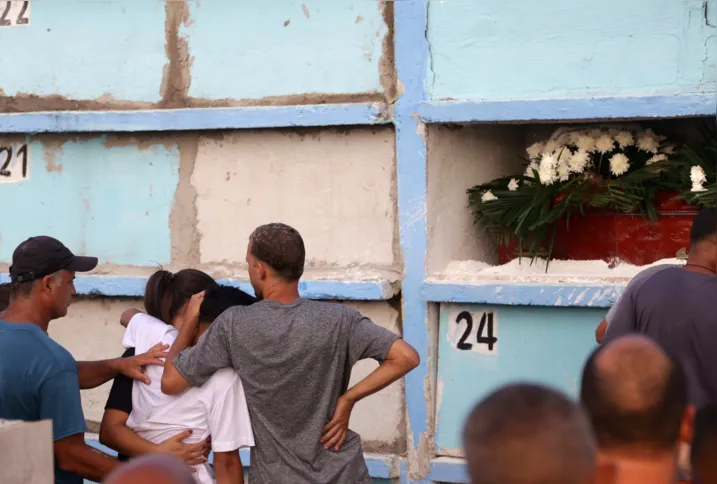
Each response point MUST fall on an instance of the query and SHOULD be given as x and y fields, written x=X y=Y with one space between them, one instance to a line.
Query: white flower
x=604 y=144
x=563 y=171
x=656 y=158
x=546 y=171
x=585 y=143
x=564 y=154
x=531 y=169
x=513 y=185
x=624 y=139
x=669 y=149
x=579 y=161
x=595 y=134
x=488 y=196
x=698 y=178
x=551 y=147
x=619 y=164
x=648 y=142
x=535 y=150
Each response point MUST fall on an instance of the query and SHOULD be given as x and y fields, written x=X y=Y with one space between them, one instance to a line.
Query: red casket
x=629 y=237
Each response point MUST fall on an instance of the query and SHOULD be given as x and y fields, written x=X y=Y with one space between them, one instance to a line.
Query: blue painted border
x=448 y=469
x=195 y=118
x=694 y=104
x=133 y=286
x=525 y=294
x=380 y=466
x=411 y=60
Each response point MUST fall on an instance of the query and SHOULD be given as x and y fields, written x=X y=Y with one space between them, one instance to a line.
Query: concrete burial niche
x=26 y=452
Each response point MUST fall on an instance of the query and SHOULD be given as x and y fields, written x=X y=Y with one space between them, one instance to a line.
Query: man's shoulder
x=37 y=346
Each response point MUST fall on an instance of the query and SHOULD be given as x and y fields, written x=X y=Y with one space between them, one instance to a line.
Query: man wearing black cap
x=39 y=379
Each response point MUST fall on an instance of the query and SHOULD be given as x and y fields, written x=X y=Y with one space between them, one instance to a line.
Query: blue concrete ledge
x=380 y=466
x=523 y=294
x=448 y=469
x=195 y=118
x=133 y=286
x=695 y=104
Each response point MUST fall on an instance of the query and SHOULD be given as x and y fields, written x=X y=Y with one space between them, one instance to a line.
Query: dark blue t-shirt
x=39 y=381
x=678 y=309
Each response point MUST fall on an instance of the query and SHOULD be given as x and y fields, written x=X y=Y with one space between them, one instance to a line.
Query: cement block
x=26 y=455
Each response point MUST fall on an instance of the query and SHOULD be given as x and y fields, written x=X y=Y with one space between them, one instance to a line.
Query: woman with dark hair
x=141 y=419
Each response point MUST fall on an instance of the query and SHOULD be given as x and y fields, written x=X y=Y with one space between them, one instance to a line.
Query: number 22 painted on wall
x=485 y=340
x=14 y=12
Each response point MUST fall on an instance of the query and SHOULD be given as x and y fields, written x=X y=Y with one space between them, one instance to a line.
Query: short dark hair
x=281 y=248
x=5 y=292
x=704 y=225
x=528 y=433
x=631 y=406
x=220 y=298
x=166 y=293
x=704 y=445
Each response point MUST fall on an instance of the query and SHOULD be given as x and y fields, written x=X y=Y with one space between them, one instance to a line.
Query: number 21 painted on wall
x=484 y=340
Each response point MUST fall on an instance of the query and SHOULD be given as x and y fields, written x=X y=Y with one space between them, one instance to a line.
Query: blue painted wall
x=244 y=50
x=495 y=50
x=84 y=50
x=119 y=50
x=545 y=345
x=108 y=201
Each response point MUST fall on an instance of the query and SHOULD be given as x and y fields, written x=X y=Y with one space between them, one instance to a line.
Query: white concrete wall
x=460 y=157
x=91 y=331
x=337 y=187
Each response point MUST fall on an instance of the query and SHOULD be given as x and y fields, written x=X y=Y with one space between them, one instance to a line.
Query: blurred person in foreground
x=153 y=469
x=529 y=434
x=636 y=398
x=294 y=357
x=39 y=379
x=704 y=446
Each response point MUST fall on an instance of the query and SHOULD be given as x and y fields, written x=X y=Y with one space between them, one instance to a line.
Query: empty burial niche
x=464 y=156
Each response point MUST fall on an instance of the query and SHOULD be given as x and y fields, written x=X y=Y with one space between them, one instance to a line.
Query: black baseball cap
x=41 y=256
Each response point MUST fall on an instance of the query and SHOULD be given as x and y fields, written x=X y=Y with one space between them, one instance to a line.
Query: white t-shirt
x=218 y=408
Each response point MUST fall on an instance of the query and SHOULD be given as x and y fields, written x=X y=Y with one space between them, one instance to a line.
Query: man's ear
x=47 y=283
x=687 y=428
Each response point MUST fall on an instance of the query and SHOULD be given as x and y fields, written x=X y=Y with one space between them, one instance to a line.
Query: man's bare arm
x=94 y=373
x=401 y=359
x=173 y=383
x=74 y=455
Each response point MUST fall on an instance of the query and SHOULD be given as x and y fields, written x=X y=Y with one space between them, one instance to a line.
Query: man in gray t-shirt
x=677 y=307
x=294 y=357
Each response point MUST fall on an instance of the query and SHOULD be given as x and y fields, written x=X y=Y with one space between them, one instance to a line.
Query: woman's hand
x=192 y=454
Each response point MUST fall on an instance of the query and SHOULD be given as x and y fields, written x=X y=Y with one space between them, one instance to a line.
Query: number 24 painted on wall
x=485 y=325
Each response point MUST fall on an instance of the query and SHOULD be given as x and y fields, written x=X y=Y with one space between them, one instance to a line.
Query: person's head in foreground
x=636 y=398
x=42 y=277
x=152 y=469
x=529 y=434
x=703 y=240
x=704 y=446
x=275 y=258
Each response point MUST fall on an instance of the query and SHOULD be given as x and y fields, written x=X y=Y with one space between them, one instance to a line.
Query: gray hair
x=23 y=289
x=529 y=434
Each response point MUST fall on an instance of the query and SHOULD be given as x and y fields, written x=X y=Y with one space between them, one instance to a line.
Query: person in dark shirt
x=676 y=308
x=165 y=296
x=40 y=379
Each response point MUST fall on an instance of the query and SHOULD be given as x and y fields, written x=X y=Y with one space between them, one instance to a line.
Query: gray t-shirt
x=294 y=361
x=678 y=309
